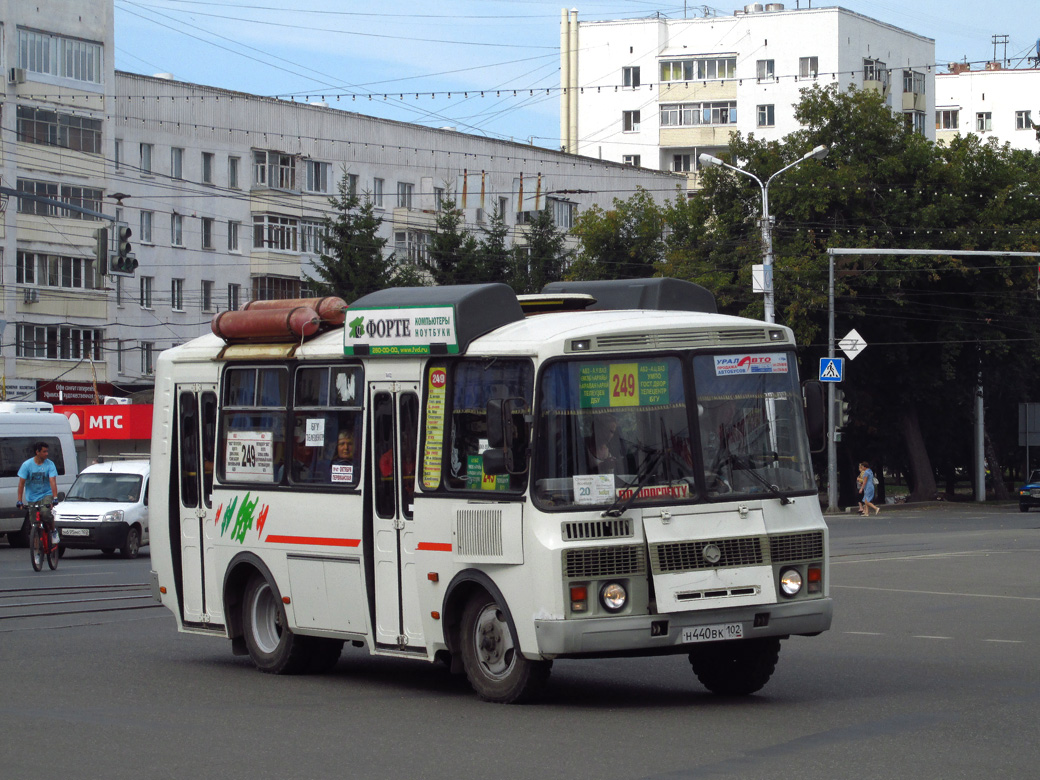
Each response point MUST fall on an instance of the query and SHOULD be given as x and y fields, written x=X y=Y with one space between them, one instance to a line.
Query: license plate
x=715 y=633
x=75 y=532
x=1034 y=492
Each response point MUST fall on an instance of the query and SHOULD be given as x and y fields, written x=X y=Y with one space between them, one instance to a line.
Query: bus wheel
x=324 y=654
x=272 y=646
x=736 y=668
x=491 y=655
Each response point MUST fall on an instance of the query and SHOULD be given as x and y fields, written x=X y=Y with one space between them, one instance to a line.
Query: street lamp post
x=767 y=226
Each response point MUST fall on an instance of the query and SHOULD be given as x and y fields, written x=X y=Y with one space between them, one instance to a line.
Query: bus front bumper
x=638 y=634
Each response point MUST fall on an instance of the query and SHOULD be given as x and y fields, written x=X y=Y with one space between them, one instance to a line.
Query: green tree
x=351 y=263
x=542 y=259
x=624 y=242
x=453 y=252
x=494 y=257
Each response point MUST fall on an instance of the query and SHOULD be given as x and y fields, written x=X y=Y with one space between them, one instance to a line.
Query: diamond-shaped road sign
x=852 y=345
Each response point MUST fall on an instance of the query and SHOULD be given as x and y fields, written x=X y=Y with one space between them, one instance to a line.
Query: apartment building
x=657 y=92
x=993 y=102
x=224 y=192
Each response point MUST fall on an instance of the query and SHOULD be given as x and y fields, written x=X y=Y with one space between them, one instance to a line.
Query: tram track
x=70 y=600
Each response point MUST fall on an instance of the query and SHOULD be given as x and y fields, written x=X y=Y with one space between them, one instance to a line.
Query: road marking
x=922 y=636
x=937 y=593
x=866 y=633
x=837 y=559
x=1005 y=641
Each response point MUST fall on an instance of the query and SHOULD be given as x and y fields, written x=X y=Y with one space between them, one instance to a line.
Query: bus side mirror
x=814 y=399
x=496 y=423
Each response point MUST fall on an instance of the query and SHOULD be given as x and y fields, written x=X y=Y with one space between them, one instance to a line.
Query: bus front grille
x=608 y=528
x=592 y=562
x=787 y=548
x=707 y=554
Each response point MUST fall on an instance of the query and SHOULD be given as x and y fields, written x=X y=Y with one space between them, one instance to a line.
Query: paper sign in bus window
x=250 y=456
x=316 y=432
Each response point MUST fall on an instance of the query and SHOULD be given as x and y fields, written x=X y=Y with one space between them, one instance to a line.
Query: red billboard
x=110 y=421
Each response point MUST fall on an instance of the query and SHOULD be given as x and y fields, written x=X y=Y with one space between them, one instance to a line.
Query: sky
x=481 y=68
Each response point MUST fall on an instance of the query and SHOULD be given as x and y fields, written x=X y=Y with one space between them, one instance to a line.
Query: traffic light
x=101 y=250
x=123 y=261
x=842 y=416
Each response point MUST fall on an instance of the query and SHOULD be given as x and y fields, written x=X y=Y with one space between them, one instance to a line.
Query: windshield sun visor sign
x=623 y=384
x=740 y=365
x=400 y=331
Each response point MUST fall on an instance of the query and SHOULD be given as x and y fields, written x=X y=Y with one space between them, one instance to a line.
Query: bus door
x=394 y=430
x=196 y=446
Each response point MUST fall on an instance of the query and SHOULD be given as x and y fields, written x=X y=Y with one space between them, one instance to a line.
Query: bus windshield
x=629 y=431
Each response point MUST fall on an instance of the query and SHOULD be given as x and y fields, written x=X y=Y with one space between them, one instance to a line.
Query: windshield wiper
x=746 y=466
x=642 y=477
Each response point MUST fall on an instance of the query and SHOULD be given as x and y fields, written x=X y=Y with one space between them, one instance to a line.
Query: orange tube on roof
x=273 y=325
x=330 y=309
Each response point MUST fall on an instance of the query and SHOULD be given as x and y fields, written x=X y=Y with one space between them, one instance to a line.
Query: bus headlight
x=790 y=582
x=613 y=596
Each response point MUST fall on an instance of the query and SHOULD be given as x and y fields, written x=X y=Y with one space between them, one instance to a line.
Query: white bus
x=448 y=476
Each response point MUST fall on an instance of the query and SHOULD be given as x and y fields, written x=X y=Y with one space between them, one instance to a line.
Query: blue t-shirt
x=37 y=478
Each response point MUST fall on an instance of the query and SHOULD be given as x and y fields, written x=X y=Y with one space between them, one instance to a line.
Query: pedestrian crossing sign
x=832 y=369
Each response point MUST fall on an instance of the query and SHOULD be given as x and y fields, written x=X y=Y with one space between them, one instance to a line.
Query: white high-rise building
x=993 y=103
x=657 y=92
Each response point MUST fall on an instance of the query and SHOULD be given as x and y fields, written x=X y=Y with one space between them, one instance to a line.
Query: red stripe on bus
x=318 y=540
x=434 y=546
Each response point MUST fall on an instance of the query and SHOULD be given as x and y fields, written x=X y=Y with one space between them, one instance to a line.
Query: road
x=931 y=670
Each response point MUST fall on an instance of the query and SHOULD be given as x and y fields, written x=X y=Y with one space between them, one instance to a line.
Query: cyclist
x=38 y=483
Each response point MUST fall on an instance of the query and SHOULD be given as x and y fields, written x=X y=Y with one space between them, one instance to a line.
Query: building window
x=146 y=158
x=177 y=295
x=52 y=128
x=59 y=342
x=119 y=291
x=318 y=176
x=438 y=198
x=687 y=114
x=352 y=185
x=146 y=227
x=947 y=119
x=563 y=212
x=808 y=67
x=377 y=193
x=232 y=172
x=207 y=167
x=699 y=69
x=272 y=288
x=1023 y=120
x=632 y=159
x=147 y=357
x=274 y=169
x=984 y=121
x=176 y=230
x=207 y=295
x=232 y=236
x=118 y=161
x=177 y=163
x=146 y=291
x=914 y=120
x=233 y=296
x=682 y=163
x=630 y=121
x=45 y=270
x=765 y=69
x=119 y=353
x=311 y=237
x=273 y=232
x=630 y=76
x=411 y=246
x=56 y=55
x=913 y=82
x=766 y=116
x=404 y=195
x=41 y=188
x=503 y=204
x=207 y=232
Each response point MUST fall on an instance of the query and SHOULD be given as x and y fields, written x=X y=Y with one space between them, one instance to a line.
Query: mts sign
x=108 y=421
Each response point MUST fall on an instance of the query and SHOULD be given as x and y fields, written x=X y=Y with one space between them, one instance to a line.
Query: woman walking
x=867 y=488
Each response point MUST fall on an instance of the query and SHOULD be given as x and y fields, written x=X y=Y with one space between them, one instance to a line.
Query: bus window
x=409 y=434
x=383 y=442
x=208 y=404
x=326 y=426
x=252 y=435
x=473 y=384
x=189 y=444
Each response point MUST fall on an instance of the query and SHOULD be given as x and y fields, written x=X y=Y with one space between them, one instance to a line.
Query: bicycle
x=41 y=545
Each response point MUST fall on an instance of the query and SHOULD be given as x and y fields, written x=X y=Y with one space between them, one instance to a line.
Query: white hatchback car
x=106 y=508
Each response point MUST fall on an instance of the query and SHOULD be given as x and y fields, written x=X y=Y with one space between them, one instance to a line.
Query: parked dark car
x=1029 y=493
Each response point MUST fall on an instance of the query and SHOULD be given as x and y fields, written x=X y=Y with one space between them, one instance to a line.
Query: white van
x=21 y=426
x=106 y=508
